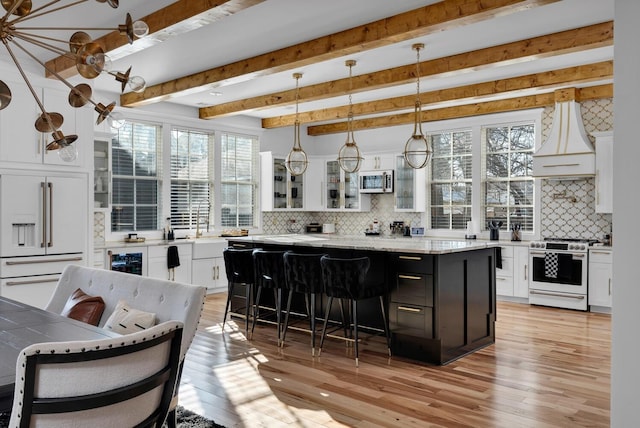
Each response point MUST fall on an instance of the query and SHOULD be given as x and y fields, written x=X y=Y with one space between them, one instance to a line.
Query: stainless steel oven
x=559 y=273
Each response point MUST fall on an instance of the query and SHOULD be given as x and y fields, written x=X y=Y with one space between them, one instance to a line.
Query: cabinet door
x=374 y=162
x=19 y=140
x=314 y=189
x=521 y=271
x=158 y=268
x=600 y=278
x=410 y=187
x=604 y=174
x=333 y=189
x=102 y=174
x=209 y=273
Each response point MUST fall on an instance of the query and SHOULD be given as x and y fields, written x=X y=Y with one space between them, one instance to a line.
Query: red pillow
x=85 y=308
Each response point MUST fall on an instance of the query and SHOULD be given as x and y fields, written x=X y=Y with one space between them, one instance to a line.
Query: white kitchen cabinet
x=377 y=161
x=21 y=142
x=342 y=192
x=102 y=174
x=600 y=279
x=42 y=215
x=157 y=262
x=604 y=172
x=314 y=190
x=207 y=267
x=280 y=190
x=513 y=279
x=410 y=187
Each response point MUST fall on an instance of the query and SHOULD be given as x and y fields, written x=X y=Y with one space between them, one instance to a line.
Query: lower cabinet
x=210 y=273
x=512 y=279
x=157 y=262
x=600 y=279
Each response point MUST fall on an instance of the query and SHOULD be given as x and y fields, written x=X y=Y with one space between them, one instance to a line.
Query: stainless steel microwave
x=376 y=181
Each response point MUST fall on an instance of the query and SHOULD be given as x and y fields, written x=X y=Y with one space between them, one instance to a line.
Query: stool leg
x=256 y=310
x=355 y=327
x=312 y=317
x=286 y=317
x=386 y=324
x=347 y=334
x=277 y=292
x=226 y=309
x=324 y=326
x=247 y=308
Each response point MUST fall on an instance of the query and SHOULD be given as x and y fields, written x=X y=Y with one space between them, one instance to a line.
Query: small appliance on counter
x=329 y=228
x=374 y=229
x=314 y=228
x=471 y=230
x=397 y=228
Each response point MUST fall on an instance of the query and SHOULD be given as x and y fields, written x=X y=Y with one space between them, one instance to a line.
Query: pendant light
x=296 y=161
x=349 y=157
x=417 y=150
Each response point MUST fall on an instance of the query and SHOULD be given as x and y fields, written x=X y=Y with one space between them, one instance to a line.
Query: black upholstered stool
x=344 y=279
x=239 y=266
x=269 y=272
x=303 y=273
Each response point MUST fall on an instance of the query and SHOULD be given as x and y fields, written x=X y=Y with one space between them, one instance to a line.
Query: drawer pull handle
x=31 y=262
x=33 y=281
x=412 y=277
x=408 y=309
x=410 y=258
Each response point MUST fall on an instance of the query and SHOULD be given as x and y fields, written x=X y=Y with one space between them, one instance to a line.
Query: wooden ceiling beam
x=580 y=39
x=447 y=14
x=466 y=110
x=545 y=80
x=177 y=18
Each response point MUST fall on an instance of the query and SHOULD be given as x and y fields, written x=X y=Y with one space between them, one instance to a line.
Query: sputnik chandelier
x=89 y=57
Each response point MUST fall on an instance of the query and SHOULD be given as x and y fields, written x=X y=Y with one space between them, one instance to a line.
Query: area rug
x=186 y=419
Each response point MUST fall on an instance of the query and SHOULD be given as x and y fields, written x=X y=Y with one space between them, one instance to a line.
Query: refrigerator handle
x=44 y=214
x=50 y=243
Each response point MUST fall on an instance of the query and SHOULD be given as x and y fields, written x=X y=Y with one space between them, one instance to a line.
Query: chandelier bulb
x=137 y=84
x=115 y=119
x=140 y=29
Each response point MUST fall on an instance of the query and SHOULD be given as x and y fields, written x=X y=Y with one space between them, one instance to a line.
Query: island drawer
x=413 y=288
x=411 y=320
x=422 y=263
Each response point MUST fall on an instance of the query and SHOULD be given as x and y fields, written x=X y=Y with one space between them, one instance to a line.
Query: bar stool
x=303 y=274
x=344 y=279
x=269 y=273
x=239 y=266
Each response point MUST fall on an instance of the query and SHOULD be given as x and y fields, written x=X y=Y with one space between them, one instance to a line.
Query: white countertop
x=372 y=243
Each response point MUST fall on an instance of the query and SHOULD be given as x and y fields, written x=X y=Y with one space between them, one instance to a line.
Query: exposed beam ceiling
x=432 y=18
x=178 y=18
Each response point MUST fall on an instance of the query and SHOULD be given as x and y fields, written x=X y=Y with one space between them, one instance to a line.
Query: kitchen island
x=441 y=294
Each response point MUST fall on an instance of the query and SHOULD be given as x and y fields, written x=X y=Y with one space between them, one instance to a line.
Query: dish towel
x=173 y=261
x=551 y=265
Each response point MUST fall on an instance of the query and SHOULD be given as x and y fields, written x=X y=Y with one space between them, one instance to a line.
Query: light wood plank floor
x=548 y=368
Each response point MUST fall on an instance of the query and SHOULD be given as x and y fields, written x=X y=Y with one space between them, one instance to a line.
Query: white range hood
x=567 y=152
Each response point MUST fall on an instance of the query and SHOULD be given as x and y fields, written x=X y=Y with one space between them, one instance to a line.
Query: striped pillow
x=125 y=319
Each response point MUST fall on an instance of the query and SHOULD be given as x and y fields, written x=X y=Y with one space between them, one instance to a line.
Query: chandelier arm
x=53 y=72
x=34 y=13
x=8 y=13
x=24 y=76
x=43 y=45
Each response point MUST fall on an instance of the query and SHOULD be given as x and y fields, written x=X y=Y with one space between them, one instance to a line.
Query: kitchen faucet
x=198 y=232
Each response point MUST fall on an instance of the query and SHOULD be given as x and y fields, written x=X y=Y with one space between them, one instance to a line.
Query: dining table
x=22 y=325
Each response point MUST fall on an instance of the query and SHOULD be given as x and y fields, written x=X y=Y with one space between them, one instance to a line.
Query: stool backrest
x=344 y=278
x=238 y=264
x=303 y=272
x=269 y=268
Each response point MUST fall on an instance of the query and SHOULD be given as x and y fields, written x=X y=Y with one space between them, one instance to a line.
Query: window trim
x=475 y=124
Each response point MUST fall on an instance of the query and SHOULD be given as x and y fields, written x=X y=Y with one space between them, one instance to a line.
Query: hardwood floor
x=548 y=368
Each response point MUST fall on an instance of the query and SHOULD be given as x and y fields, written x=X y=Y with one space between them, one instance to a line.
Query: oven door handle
x=577 y=255
x=546 y=293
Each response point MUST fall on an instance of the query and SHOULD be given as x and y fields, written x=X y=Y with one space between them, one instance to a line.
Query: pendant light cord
x=350 y=116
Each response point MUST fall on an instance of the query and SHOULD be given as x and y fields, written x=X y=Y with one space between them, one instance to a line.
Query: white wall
x=625 y=370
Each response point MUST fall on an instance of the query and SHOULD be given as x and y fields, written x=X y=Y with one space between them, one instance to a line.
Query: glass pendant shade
x=417 y=149
x=296 y=161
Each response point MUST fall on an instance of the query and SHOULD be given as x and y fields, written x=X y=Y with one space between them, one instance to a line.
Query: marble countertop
x=372 y=243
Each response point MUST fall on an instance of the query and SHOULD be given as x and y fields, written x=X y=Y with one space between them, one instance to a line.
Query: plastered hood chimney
x=567 y=152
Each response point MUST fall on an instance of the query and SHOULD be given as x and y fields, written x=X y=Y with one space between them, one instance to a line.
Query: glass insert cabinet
x=342 y=188
x=286 y=191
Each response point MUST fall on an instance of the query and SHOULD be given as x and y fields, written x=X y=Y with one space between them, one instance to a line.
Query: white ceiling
x=275 y=24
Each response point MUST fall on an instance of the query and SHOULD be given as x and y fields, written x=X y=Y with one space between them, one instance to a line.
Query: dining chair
x=125 y=381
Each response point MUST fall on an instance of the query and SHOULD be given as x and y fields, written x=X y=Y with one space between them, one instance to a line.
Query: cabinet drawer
x=38 y=265
x=411 y=320
x=413 y=288
x=504 y=286
x=33 y=290
x=600 y=256
x=414 y=263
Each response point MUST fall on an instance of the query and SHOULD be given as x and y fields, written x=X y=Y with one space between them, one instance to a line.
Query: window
x=451 y=180
x=239 y=180
x=191 y=172
x=508 y=193
x=135 y=154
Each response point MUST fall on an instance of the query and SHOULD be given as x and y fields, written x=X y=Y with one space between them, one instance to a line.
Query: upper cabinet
x=281 y=190
x=21 y=142
x=604 y=172
x=341 y=190
x=410 y=187
x=102 y=174
x=377 y=161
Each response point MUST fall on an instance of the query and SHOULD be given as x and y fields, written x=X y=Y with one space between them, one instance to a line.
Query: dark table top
x=22 y=325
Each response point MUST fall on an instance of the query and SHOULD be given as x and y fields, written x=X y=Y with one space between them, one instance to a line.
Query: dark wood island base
x=442 y=296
